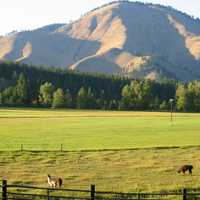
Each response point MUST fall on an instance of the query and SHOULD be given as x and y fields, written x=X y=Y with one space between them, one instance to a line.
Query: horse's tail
x=60 y=182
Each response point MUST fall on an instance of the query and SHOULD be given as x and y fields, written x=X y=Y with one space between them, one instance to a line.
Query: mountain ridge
x=131 y=39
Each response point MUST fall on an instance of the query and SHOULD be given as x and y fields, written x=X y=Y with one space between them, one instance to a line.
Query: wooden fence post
x=48 y=194
x=4 y=190
x=184 y=194
x=21 y=147
x=92 y=192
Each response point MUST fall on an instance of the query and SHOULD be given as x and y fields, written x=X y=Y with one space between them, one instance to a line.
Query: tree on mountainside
x=46 y=94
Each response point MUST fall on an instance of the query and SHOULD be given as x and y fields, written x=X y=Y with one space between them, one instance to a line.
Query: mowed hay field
x=95 y=130
x=147 y=170
x=118 y=151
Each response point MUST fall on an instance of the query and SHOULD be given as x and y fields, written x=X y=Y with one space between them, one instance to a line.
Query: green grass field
x=95 y=130
x=135 y=160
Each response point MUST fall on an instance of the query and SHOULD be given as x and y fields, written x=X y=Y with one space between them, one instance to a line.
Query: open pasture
x=147 y=170
x=123 y=168
x=95 y=130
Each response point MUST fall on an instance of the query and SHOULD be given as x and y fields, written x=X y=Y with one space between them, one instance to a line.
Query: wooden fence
x=19 y=192
x=34 y=147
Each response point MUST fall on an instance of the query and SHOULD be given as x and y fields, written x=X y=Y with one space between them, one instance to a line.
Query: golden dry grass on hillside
x=26 y=51
x=192 y=41
x=6 y=46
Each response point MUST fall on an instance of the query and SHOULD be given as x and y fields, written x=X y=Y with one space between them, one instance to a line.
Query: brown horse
x=54 y=182
x=185 y=168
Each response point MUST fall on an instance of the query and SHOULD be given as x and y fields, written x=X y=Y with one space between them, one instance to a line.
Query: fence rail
x=35 y=147
x=23 y=192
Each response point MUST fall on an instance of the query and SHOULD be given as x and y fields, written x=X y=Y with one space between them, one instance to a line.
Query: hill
x=126 y=38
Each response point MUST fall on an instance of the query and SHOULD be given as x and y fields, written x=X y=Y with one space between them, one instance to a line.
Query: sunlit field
x=95 y=130
x=117 y=151
x=123 y=171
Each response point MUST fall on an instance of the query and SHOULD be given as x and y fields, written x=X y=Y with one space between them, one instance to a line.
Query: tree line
x=25 y=85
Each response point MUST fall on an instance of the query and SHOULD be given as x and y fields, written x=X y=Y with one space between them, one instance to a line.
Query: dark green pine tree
x=82 y=98
x=1 y=99
x=68 y=99
x=21 y=90
x=91 y=101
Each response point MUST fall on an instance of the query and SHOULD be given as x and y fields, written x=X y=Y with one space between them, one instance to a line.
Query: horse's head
x=48 y=176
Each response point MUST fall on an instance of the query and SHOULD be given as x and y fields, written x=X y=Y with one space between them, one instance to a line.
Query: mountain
x=125 y=38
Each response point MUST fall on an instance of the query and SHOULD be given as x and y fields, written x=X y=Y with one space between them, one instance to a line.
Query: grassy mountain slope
x=132 y=39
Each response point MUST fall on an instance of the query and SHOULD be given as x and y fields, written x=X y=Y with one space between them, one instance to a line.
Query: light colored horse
x=54 y=182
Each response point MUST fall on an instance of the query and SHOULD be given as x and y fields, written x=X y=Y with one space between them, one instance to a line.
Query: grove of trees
x=22 y=85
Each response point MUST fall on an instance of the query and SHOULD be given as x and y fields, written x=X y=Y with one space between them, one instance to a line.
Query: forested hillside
x=23 y=85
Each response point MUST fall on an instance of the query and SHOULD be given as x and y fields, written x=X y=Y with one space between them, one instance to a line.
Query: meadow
x=147 y=170
x=95 y=130
x=118 y=151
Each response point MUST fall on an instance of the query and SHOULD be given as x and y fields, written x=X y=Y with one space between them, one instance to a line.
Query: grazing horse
x=54 y=182
x=185 y=168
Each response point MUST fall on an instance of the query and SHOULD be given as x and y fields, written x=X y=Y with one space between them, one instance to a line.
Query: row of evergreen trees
x=188 y=97
x=22 y=85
